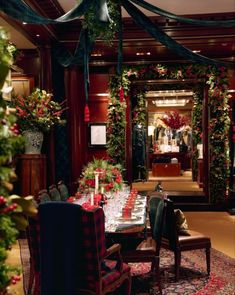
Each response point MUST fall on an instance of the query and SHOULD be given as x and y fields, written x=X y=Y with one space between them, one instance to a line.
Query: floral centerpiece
x=37 y=111
x=174 y=120
x=110 y=177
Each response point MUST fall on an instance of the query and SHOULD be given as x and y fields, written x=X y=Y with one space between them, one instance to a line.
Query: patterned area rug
x=193 y=277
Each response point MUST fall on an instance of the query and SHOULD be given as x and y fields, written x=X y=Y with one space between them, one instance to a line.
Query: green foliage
x=196 y=127
x=139 y=113
x=110 y=177
x=96 y=28
x=10 y=143
x=219 y=116
x=116 y=132
x=219 y=128
x=37 y=111
x=6 y=55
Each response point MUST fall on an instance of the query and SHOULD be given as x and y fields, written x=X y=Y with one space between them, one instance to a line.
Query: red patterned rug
x=193 y=277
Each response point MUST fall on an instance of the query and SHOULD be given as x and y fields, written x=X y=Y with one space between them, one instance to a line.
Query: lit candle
x=92 y=199
x=102 y=190
x=96 y=182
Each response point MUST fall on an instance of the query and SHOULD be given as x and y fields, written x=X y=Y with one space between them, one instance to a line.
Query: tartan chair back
x=93 y=245
x=60 y=247
x=33 y=238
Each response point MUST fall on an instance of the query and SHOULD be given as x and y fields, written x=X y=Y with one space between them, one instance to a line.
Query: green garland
x=116 y=132
x=218 y=129
x=219 y=116
x=99 y=30
x=10 y=143
x=196 y=127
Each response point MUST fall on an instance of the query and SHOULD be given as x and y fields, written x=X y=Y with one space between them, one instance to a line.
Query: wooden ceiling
x=218 y=43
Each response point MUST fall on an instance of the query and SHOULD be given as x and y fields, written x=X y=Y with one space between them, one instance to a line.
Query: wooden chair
x=73 y=253
x=54 y=193
x=176 y=242
x=101 y=275
x=149 y=250
x=32 y=234
x=64 y=192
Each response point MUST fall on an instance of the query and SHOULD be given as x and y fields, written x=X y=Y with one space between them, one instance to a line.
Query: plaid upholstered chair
x=178 y=242
x=54 y=193
x=73 y=252
x=99 y=274
x=32 y=234
x=64 y=192
x=60 y=248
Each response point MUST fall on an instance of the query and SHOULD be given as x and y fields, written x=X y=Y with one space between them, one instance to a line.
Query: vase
x=33 y=141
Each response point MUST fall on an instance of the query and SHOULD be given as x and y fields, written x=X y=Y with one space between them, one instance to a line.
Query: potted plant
x=37 y=113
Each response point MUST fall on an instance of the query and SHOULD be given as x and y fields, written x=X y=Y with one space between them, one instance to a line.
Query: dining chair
x=178 y=242
x=73 y=253
x=149 y=250
x=63 y=189
x=43 y=196
x=54 y=193
x=101 y=275
x=60 y=248
x=32 y=235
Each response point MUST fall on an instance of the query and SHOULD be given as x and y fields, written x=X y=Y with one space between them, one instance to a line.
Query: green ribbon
x=207 y=23
x=21 y=11
x=143 y=21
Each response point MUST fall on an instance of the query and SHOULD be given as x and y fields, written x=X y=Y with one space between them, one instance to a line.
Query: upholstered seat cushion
x=194 y=239
x=110 y=273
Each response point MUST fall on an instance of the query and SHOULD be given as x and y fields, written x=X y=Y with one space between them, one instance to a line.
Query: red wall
x=98 y=104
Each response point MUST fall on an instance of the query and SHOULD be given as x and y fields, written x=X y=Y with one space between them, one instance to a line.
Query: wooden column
x=31 y=172
x=45 y=82
x=74 y=89
x=200 y=173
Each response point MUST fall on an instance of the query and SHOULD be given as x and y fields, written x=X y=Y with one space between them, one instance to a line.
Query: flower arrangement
x=38 y=111
x=174 y=120
x=110 y=177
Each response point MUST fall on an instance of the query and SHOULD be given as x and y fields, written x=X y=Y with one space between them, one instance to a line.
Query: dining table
x=125 y=217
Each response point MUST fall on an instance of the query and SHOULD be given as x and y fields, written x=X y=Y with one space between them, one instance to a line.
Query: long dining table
x=127 y=228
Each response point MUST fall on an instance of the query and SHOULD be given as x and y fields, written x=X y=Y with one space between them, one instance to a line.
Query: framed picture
x=97 y=134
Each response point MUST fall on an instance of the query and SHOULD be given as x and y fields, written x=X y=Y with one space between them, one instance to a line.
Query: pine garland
x=219 y=116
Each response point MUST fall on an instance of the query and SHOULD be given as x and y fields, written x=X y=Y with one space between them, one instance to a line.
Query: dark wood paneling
x=98 y=105
x=31 y=171
x=77 y=128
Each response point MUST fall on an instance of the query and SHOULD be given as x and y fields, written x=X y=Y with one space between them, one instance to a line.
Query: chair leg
x=208 y=260
x=177 y=263
x=31 y=277
x=157 y=268
x=126 y=287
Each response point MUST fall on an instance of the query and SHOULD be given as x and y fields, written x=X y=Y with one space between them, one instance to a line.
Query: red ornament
x=86 y=114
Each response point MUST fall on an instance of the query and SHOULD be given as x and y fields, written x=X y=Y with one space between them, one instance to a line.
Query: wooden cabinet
x=31 y=172
x=166 y=169
x=183 y=158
